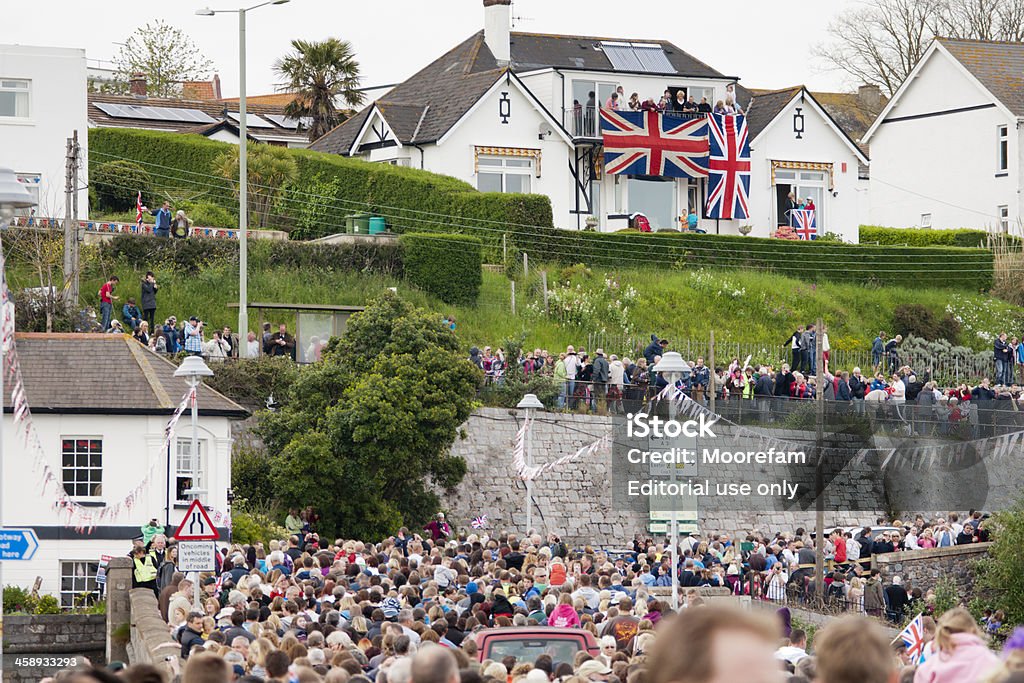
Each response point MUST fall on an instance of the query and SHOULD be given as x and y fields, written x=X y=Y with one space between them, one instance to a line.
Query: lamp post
x=671 y=367
x=13 y=196
x=243 y=170
x=529 y=403
x=193 y=368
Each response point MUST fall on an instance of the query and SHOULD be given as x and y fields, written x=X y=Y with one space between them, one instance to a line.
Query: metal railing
x=585 y=121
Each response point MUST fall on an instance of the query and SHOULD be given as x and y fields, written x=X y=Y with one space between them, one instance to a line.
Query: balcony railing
x=585 y=122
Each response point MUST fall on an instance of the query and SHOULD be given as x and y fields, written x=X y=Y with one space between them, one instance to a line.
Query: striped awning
x=506 y=152
x=804 y=166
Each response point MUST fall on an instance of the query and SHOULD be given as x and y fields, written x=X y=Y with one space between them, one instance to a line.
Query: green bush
x=328 y=187
x=193 y=255
x=18 y=599
x=48 y=604
x=878 y=265
x=248 y=527
x=448 y=266
x=919 y=321
x=251 y=382
x=116 y=184
x=925 y=237
x=207 y=215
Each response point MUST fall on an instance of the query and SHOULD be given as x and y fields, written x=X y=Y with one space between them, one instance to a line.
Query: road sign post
x=17 y=544
x=196 y=535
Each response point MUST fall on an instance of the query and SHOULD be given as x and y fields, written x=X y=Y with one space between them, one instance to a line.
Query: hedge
x=926 y=237
x=192 y=255
x=448 y=266
x=882 y=265
x=410 y=199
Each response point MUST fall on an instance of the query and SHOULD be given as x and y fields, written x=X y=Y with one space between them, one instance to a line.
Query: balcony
x=584 y=123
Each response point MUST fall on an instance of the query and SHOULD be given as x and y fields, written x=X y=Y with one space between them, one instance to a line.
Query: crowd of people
x=192 y=336
x=409 y=609
x=675 y=102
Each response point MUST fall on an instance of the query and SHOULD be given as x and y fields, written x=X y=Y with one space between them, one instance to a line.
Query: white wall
x=943 y=165
x=820 y=142
x=130 y=452
x=484 y=127
x=57 y=107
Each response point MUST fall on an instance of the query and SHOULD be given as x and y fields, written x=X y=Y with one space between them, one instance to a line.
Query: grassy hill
x=615 y=309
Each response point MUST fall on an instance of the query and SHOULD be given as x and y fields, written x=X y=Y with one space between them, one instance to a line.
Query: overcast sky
x=766 y=44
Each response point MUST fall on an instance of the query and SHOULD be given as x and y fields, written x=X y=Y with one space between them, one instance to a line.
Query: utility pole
x=526 y=264
x=76 y=151
x=69 y=192
x=819 y=475
x=544 y=285
x=513 y=283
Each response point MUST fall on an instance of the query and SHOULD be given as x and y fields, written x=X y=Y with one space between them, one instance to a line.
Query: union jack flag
x=913 y=636
x=138 y=210
x=805 y=223
x=479 y=522
x=729 y=167
x=652 y=143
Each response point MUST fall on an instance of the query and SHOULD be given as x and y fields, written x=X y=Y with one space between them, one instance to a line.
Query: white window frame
x=1002 y=148
x=926 y=220
x=521 y=167
x=26 y=90
x=95 y=487
x=1003 y=211
x=68 y=570
x=183 y=464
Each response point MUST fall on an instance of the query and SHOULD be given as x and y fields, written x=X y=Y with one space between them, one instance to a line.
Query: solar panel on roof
x=251 y=120
x=149 y=113
x=283 y=121
x=647 y=57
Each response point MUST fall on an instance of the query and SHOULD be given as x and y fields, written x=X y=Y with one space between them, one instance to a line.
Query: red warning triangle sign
x=197 y=525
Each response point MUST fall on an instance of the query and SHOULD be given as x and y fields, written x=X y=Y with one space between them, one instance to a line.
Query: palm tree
x=322 y=75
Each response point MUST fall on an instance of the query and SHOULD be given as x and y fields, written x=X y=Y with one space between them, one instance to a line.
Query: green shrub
x=48 y=604
x=207 y=215
x=327 y=188
x=250 y=474
x=926 y=237
x=18 y=599
x=863 y=264
x=448 y=266
x=251 y=382
x=249 y=527
x=116 y=185
x=919 y=321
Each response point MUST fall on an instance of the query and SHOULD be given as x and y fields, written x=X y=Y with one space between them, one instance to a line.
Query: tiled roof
x=998 y=65
x=105 y=373
x=765 y=106
x=447 y=87
x=277 y=99
x=213 y=108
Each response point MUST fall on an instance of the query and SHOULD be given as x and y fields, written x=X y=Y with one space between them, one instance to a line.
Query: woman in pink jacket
x=962 y=656
x=564 y=616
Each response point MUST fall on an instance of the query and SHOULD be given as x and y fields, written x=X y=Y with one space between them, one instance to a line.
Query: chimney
x=498 y=28
x=870 y=96
x=137 y=84
x=216 y=87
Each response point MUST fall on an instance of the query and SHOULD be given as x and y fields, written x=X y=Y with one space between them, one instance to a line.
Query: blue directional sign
x=17 y=544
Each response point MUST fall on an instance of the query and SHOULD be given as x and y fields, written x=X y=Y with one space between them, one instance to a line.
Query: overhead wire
x=597 y=241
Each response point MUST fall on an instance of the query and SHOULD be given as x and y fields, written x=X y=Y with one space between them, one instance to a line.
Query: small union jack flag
x=805 y=223
x=479 y=522
x=913 y=636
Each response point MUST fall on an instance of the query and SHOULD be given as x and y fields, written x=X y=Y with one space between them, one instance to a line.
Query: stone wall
x=923 y=568
x=119 y=611
x=576 y=500
x=151 y=641
x=52 y=635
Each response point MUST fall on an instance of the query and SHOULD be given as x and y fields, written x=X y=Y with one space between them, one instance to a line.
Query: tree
x=364 y=436
x=880 y=41
x=165 y=54
x=269 y=170
x=320 y=74
x=999 y=578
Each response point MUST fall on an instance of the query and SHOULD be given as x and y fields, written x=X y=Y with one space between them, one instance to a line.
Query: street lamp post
x=671 y=367
x=530 y=402
x=194 y=369
x=13 y=196
x=243 y=171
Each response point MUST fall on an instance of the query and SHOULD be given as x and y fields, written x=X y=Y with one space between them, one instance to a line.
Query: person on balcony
x=679 y=103
x=612 y=102
x=691 y=106
x=704 y=107
x=634 y=102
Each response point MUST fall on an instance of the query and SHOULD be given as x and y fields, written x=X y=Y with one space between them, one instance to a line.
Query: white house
x=797 y=146
x=507 y=111
x=100 y=404
x=947 y=150
x=42 y=102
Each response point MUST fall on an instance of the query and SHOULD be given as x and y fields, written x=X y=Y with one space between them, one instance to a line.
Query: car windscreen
x=528 y=649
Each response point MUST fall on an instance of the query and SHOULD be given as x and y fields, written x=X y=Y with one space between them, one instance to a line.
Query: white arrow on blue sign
x=17 y=544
